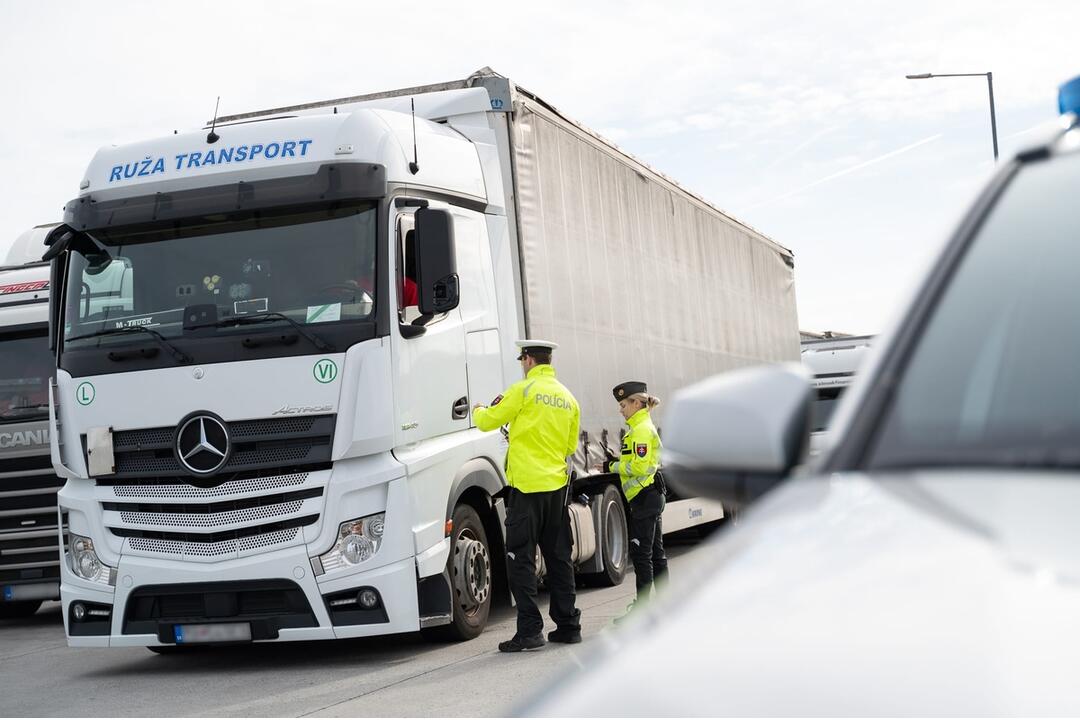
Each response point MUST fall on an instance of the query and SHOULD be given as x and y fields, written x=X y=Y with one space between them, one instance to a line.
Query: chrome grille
x=29 y=541
x=137 y=439
x=289 y=426
x=233 y=487
x=212 y=550
x=269 y=488
x=260 y=541
x=240 y=516
x=278 y=444
x=211 y=520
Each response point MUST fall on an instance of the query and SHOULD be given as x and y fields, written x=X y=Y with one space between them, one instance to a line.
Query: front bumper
x=127 y=625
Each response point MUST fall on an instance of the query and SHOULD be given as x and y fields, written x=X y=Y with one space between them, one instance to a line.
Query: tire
x=19 y=609
x=471 y=578
x=614 y=541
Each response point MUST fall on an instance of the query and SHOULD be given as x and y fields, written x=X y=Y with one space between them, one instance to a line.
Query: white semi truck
x=270 y=333
x=832 y=363
x=29 y=528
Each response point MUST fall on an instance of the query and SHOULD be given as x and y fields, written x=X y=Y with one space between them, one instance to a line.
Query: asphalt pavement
x=397 y=675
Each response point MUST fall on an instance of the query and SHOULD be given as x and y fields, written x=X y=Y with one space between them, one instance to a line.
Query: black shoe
x=517 y=644
x=569 y=637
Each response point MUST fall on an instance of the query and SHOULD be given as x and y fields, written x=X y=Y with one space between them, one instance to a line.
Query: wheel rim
x=614 y=534
x=472 y=571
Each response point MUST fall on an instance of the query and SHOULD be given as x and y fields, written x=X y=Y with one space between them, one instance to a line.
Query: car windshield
x=26 y=364
x=314 y=267
x=995 y=377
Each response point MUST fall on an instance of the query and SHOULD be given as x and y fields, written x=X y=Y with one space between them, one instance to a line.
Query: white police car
x=931 y=565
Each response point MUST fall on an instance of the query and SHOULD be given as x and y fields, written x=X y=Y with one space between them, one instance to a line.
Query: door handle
x=460 y=411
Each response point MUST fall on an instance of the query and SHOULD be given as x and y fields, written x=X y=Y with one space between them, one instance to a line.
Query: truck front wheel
x=469 y=566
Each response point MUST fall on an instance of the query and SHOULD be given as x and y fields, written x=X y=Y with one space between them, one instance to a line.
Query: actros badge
x=202 y=444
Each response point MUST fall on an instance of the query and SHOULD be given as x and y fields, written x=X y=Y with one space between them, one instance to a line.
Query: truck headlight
x=357 y=541
x=84 y=562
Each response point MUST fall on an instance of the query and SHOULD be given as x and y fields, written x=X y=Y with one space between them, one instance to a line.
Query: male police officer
x=544 y=419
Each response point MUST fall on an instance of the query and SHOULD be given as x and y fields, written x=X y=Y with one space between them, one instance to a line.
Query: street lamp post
x=990 y=86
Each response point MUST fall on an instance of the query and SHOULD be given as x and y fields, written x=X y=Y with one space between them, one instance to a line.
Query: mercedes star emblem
x=202 y=444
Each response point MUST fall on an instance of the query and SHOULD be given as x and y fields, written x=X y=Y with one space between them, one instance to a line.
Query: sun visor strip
x=332 y=182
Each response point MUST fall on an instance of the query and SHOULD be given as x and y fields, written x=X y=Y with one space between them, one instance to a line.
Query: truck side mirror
x=62 y=239
x=436 y=261
x=735 y=436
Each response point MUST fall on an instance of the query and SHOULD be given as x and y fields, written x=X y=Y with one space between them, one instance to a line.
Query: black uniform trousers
x=647 y=537
x=542 y=519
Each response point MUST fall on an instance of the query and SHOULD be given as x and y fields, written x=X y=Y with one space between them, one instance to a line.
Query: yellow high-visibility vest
x=544 y=419
x=640 y=456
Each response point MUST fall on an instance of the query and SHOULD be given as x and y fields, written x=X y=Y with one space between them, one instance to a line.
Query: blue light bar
x=1069 y=97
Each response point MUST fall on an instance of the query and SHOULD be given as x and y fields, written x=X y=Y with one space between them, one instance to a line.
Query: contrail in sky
x=846 y=171
x=798 y=148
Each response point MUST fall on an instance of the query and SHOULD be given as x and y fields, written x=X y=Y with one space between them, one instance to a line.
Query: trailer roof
x=477 y=78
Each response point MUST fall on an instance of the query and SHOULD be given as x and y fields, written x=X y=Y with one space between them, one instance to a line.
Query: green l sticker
x=85 y=393
x=325 y=370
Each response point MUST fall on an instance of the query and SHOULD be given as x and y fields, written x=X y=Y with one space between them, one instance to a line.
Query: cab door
x=430 y=381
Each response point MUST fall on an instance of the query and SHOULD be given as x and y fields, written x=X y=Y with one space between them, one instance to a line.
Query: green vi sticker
x=85 y=393
x=325 y=370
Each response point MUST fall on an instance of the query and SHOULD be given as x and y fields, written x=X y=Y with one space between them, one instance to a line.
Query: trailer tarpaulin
x=634 y=277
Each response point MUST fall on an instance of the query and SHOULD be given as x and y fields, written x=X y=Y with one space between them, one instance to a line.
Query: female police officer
x=637 y=467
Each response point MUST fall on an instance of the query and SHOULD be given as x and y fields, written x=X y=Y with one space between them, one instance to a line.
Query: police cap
x=626 y=389
x=535 y=348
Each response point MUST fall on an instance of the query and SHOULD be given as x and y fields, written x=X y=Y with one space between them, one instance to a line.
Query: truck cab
x=30 y=529
x=240 y=379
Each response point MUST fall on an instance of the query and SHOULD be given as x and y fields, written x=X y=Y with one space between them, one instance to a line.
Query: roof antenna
x=213 y=137
x=414 y=166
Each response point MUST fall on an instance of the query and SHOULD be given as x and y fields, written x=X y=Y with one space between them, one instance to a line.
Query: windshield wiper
x=179 y=355
x=257 y=318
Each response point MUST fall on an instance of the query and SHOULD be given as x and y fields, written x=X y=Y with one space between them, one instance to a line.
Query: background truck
x=832 y=363
x=29 y=532
x=271 y=332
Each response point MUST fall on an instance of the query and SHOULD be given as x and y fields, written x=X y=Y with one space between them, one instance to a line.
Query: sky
x=794 y=118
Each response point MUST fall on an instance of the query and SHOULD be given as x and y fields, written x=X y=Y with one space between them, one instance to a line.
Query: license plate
x=31 y=591
x=212 y=632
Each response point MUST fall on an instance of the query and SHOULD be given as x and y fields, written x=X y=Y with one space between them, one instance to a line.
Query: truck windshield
x=26 y=364
x=221 y=274
x=995 y=377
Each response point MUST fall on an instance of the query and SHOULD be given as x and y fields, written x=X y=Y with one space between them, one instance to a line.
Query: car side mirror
x=735 y=436
x=436 y=261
